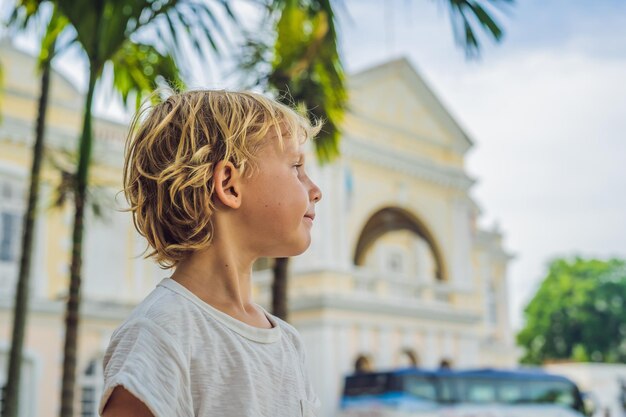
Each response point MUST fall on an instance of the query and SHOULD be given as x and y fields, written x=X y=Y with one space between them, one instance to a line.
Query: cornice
x=89 y=310
x=108 y=139
x=407 y=164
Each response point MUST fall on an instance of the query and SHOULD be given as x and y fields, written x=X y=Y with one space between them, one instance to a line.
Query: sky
x=545 y=108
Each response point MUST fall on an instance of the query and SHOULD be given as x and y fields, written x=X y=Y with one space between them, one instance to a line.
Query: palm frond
x=138 y=69
x=302 y=66
x=466 y=14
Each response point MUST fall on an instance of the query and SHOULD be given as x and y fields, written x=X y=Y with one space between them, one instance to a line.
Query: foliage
x=578 y=313
x=301 y=65
x=465 y=13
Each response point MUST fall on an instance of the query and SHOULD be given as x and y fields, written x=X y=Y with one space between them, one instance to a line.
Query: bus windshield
x=467 y=387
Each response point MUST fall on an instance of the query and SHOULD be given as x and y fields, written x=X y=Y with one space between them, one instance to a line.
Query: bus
x=413 y=392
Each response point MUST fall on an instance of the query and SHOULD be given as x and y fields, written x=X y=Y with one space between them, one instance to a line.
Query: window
x=12 y=203
x=8 y=236
x=88 y=402
x=394 y=262
x=392 y=259
x=91 y=389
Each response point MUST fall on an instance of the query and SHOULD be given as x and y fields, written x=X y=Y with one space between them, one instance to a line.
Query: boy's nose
x=315 y=194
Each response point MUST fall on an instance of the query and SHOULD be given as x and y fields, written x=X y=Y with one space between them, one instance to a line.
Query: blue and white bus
x=413 y=392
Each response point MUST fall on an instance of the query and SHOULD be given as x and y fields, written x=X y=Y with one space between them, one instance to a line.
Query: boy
x=215 y=180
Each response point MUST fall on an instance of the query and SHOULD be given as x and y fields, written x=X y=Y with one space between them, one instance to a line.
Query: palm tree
x=305 y=68
x=20 y=19
x=107 y=30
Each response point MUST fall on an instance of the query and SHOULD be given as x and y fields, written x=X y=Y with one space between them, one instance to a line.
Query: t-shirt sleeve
x=144 y=359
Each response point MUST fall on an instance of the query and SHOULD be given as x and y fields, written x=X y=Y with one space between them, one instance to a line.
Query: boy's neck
x=221 y=277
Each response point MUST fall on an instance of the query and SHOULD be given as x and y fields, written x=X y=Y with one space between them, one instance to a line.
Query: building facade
x=398 y=273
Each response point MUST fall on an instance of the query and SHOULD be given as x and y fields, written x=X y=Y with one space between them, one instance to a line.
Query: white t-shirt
x=182 y=358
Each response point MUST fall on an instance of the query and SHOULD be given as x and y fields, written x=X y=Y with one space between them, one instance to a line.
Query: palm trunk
x=280 y=288
x=73 y=301
x=12 y=388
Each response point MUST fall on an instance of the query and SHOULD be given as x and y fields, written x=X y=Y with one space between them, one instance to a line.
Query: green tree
x=578 y=313
x=301 y=65
x=109 y=32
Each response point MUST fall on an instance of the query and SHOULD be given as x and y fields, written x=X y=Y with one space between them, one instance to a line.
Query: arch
x=411 y=357
x=390 y=219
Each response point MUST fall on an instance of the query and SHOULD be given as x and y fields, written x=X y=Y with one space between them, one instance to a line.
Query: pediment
x=393 y=96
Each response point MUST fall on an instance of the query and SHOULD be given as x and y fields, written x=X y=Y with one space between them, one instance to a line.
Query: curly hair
x=172 y=150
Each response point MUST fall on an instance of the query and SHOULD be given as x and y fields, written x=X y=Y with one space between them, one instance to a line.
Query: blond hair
x=172 y=150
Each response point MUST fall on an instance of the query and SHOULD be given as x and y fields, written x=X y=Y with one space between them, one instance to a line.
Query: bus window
x=420 y=387
x=555 y=392
x=477 y=391
x=511 y=392
x=370 y=384
x=366 y=384
x=447 y=392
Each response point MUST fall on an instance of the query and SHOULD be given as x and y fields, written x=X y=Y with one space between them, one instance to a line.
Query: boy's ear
x=227 y=181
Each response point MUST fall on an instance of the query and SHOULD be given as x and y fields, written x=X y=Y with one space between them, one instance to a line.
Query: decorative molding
x=375 y=305
x=401 y=162
x=52 y=102
x=90 y=309
x=109 y=138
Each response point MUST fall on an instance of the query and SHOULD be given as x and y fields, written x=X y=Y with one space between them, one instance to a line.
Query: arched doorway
x=394 y=219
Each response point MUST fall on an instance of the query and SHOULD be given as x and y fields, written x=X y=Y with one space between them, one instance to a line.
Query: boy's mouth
x=310 y=216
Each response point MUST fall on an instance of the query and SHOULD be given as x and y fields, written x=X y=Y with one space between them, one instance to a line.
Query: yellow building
x=398 y=271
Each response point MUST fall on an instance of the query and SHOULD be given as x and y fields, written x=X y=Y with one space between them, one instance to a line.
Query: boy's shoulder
x=162 y=308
